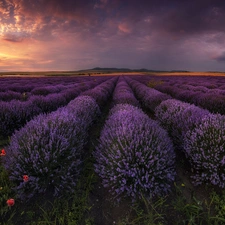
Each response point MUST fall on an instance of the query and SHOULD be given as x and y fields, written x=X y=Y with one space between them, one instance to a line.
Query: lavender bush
x=205 y=95
x=49 y=149
x=84 y=107
x=149 y=97
x=10 y=95
x=124 y=107
x=102 y=92
x=134 y=155
x=123 y=94
x=48 y=103
x=205 y=149
x=15 y=114
x=168 y=112
x=178 y=118
x=45 y=90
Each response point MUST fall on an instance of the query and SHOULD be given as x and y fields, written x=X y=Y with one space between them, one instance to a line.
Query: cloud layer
x=73 y=34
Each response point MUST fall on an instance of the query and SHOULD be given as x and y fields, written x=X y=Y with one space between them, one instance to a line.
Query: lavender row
x=15 y=114
x=201 y=136
x=214 y=102
x=149 y=97
x=102 y=92
x=201 y=92
x=123 y=94
x=178 y=118
x=44 y=89
x=27 y=84
x=49 y=148
x=134 y=156
x=195 y=83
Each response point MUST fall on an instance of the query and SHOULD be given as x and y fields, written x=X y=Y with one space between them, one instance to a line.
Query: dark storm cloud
x=220 y=58
x=138 y=33
x=13 y=39
x=172 y=17
x=191 y=18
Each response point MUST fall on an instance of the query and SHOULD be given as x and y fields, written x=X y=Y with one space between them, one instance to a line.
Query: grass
x=71 y=209
x=77 y=209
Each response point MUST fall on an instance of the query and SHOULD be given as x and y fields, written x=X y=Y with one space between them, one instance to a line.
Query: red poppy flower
x=10 y=202
x=25 y=178
x=2 y=152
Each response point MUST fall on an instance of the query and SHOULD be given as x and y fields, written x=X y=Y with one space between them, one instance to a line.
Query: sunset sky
x=40 y=35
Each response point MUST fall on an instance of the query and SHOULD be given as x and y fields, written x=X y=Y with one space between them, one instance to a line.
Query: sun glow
x=12 y=59
x=3 y=55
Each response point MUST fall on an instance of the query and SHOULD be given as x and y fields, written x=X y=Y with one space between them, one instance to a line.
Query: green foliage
x=146 y=212
x=153 y=83
x=198 y=212
x=191 y=211
x=6 y=213
x=71 y=209
x=219 y=203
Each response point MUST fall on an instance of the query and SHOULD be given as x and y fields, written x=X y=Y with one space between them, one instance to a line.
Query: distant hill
x=130 y=70
x=113 y=69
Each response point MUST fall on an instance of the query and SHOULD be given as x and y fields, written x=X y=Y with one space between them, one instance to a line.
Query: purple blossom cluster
x=49 y=149
x=102 y=92
x=27 y=84
x=15 y=114
x=205 y=149
x=205 y=92
x=123 y=94
x=46 y=90
x=178 y=118
x=11 y=95
x=134 y=156
x=48 y=103
x=201 y=135
x=149 y=97
x=84 y=107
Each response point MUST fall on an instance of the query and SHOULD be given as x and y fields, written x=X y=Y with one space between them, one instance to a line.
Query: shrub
x=124 y=107
x=134 y=155
x=179 y=117
x=190 y=118
x=15 y=114
x=205 y=148
x=9 y=95
x=49 y=149
x=149 y=97
x=85 y=107
x=48 y=103
x=168 y=112
x=101 y=92
x=123 y=94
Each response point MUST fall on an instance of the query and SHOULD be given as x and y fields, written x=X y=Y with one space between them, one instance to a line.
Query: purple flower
x=205 y=148
x=50 y=149
x=134 y=155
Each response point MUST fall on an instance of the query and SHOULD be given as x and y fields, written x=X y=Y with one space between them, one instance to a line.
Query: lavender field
x=138 y=149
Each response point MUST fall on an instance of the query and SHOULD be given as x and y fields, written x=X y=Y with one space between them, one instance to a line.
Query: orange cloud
x=125 y=28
